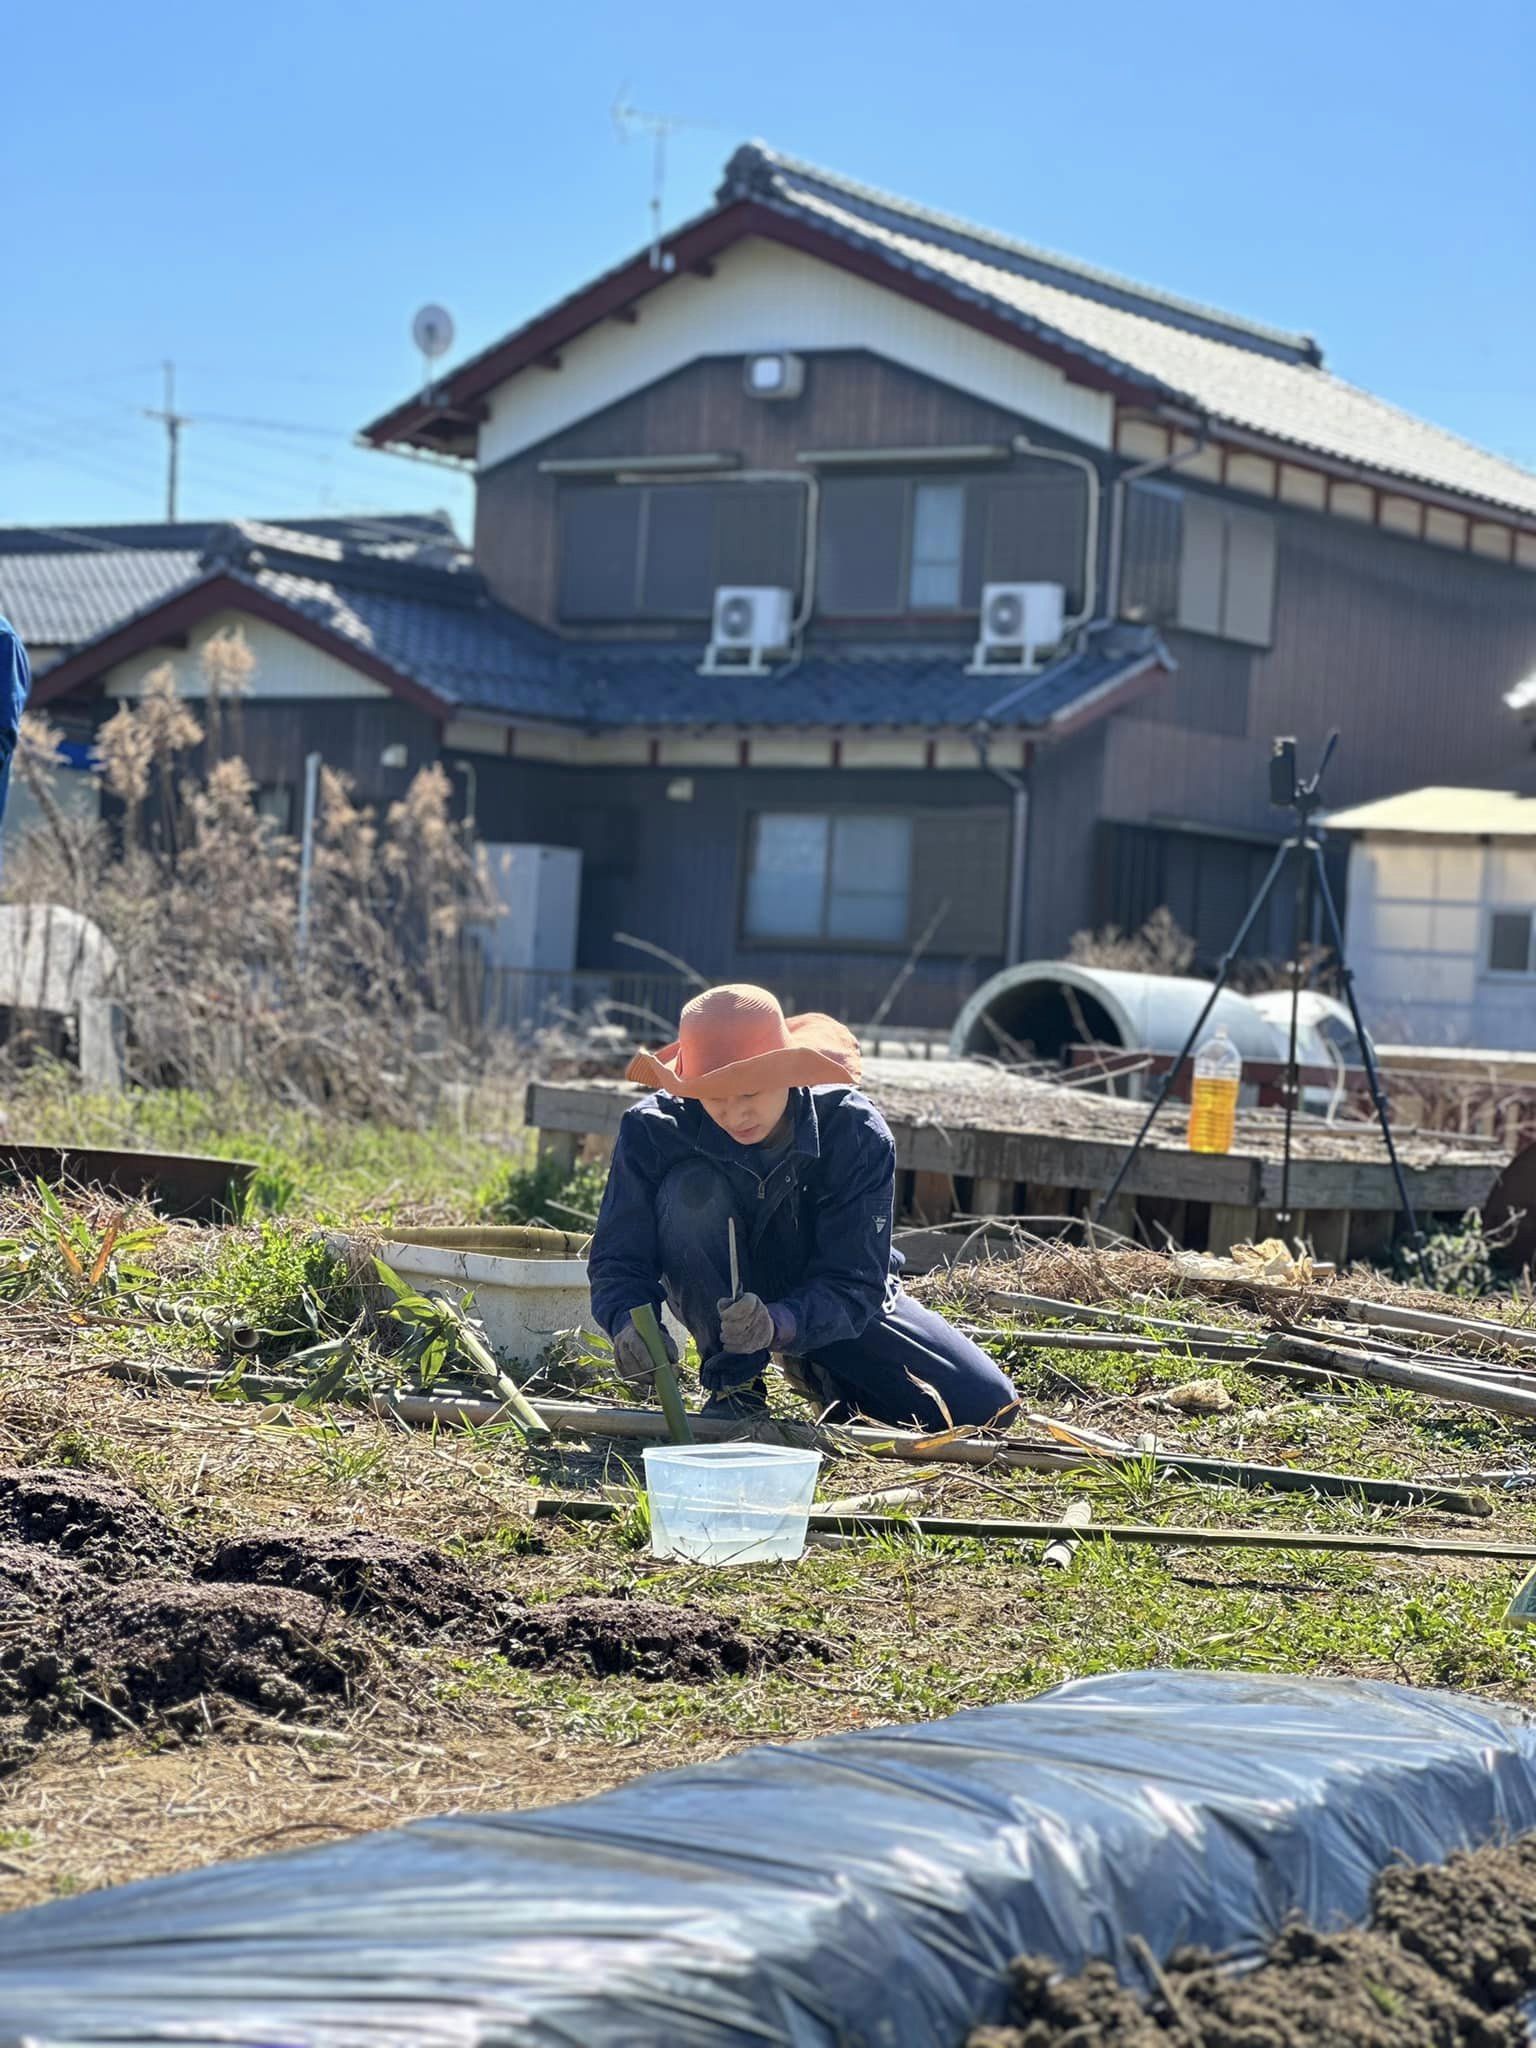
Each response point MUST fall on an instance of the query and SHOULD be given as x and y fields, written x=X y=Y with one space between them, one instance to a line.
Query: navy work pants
x=874 y=1374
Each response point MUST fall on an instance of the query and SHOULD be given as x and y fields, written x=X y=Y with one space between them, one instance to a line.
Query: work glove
x=746 y=1324
x=632 y=1361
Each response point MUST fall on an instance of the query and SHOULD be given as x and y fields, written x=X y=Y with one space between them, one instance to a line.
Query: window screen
x=863 y=531
x=600 y=552
x=1509 y=942
x=1149 y=583
x=677 y=553
x=817 y=877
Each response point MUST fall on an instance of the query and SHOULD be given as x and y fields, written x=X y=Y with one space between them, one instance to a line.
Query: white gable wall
x=1418 y=934
x=765 y=297
x=286 y=666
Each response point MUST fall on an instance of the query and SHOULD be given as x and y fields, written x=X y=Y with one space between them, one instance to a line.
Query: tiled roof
x=62 y=587
x=649 y=685
x=421 y=608
x=1250 y=377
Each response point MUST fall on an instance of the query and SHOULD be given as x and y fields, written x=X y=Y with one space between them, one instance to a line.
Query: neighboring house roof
x=417 y=619
x=1443 y=813
x=63 y=586
x=1146 y=346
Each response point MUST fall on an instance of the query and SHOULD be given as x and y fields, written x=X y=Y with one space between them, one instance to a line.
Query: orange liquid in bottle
x=1212 y=1114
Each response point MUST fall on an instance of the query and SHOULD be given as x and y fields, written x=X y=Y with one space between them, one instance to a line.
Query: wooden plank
x=933 y=1197
x=562 y=1147
x=1369 y=1184
x=1119 y=1217
x=1327 y=1231
x=1231 y=1224
x=991 y=1197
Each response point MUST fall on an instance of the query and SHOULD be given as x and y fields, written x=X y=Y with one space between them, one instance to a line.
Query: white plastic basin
x=729 y=1503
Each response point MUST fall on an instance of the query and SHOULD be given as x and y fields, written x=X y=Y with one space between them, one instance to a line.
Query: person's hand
x=633 y=1362
x=745 y=1324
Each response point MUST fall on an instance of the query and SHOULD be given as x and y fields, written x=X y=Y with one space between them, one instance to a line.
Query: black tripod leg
x=1170 y=1079
x=1292 y=1072
x=1372 y=1078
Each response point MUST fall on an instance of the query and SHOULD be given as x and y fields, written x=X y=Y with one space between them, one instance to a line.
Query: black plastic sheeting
x=864 y=1891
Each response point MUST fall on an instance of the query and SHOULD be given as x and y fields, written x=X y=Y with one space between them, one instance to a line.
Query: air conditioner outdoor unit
x=751 y=621
x=1019 y=622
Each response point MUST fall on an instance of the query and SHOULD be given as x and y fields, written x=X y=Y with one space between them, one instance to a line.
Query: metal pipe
x=307 y=853
x=1024 y=446
x=1018 y=843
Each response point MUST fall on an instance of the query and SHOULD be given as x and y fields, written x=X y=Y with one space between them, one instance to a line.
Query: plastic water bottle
x=1213 y=1098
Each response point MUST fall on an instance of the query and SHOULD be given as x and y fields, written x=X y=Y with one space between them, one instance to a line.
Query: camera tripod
x=1305 y=846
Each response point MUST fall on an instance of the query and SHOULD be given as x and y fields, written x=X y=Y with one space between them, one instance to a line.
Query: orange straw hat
x=735 y=1040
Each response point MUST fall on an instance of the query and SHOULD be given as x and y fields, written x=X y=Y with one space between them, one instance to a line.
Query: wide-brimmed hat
x=736 y=1039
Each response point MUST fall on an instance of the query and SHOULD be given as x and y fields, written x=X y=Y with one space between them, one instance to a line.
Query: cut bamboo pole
x=644 y=1320
x=649 y=1425
x=1386 y=1316
x=480 y=1356
x=1081 y=1312
x=584 y=1510
x=1480 y=1392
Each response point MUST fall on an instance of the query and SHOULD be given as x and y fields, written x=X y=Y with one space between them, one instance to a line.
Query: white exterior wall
x=766 y=297
x=1418 y=932
x=286 y=666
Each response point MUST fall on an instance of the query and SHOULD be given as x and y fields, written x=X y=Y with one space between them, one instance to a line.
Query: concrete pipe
x=1045 y=1006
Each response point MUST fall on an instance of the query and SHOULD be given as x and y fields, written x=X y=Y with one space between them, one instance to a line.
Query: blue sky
x=266 y=194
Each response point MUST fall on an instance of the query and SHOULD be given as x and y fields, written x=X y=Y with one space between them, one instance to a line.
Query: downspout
x=1018 y=787
x=1157 y=466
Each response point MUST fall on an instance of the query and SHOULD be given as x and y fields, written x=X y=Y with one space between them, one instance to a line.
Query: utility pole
x=173 y=421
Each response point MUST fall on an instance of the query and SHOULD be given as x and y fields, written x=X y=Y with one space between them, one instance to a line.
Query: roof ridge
x=752 y=167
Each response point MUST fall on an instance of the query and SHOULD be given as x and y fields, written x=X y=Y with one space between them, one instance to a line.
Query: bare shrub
x=198 y=895
x=1160 y=947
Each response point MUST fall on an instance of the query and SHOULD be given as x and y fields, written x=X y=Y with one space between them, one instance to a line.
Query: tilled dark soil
x=104 y=1524
x=409 y=1590
x=611 y=1637
x=1449 y=1953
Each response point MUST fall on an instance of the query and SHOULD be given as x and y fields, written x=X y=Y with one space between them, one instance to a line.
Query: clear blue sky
x=267 y=193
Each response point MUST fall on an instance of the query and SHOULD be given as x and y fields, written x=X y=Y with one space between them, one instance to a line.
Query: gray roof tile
x=1251 y=377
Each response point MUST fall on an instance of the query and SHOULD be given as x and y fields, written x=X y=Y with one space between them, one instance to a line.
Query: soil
x=604 y=1638
x=104 y=1524
x=32 y=1578
x=406 y=1590
x=1449 y=1953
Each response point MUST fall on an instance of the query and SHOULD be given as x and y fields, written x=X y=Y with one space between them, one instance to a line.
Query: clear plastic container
x=729 y=1503
x=1213 y=1095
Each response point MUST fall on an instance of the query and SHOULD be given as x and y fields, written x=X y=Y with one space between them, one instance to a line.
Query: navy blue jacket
x=839 y=1173
x=15 y=682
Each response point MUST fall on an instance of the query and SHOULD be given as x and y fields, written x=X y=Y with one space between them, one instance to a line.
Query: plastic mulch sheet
x=864 y=1891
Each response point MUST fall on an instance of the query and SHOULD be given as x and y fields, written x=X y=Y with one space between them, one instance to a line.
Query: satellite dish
x=432 y=331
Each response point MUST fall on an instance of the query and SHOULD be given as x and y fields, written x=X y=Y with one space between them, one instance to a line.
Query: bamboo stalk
x=1386 y=1316
x=1494 y=1395
x=478 y=1352
x=644 y=1320
x=649 y=1425
x=1080 y=1312
x=583 y=1510
x=1076 y=1516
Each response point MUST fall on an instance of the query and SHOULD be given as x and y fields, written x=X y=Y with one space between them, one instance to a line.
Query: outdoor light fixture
x=395 y=755
x=775 y=376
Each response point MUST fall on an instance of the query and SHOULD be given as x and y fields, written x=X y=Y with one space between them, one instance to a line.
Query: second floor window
x=1193 y=560
x=892 y=546
x=642 y=552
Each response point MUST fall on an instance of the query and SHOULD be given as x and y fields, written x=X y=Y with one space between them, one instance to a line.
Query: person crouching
x=757 y=1117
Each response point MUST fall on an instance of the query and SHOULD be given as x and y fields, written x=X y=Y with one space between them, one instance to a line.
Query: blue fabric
x=15 y=683
x=814 y=1240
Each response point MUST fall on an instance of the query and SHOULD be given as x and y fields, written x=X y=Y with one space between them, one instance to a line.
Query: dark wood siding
x=1066 y=786
x=671 y=872
x=851 y=400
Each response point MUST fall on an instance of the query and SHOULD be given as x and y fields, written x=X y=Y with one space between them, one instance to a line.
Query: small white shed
x=1441 y=923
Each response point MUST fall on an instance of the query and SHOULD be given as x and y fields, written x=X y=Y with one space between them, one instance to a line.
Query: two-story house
x=1023 y=567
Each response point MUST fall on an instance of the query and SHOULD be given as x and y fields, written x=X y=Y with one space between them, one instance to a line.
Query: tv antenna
x=630 y=121
x=432 y=332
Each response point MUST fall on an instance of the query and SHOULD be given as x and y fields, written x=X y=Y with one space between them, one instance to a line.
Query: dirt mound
x=610 y=1638
x=31 y=1578
x=106 y=1525
x=406 y=1589
x=1449 y=1955
x=166 y=1650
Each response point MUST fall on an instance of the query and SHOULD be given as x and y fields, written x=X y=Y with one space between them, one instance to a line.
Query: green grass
x=315 y=1166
